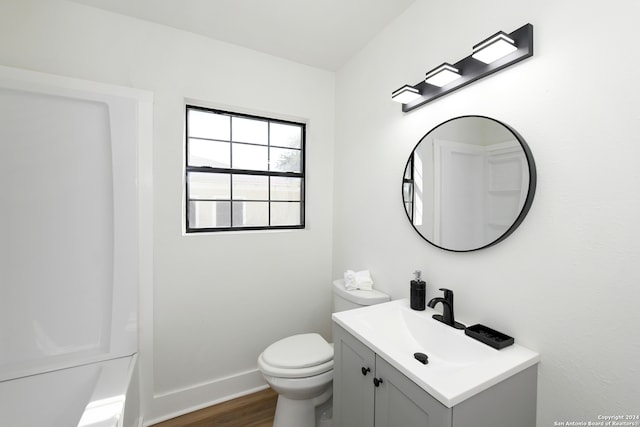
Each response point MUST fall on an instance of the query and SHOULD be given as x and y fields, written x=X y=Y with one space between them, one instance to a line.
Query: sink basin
x=459 y=366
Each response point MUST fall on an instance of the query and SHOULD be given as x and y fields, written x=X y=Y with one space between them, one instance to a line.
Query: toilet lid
x=298 y=351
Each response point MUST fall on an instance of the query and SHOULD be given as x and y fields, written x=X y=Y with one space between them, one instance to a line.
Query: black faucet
x=447 y=309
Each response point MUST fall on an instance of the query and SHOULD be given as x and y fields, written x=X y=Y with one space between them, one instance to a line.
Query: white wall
x=567 y=282
x=217 y=300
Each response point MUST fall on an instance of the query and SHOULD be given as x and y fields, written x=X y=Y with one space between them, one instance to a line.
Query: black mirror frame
x=530 y=193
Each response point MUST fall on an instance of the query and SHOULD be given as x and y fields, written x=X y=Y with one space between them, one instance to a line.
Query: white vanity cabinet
x=396 y=401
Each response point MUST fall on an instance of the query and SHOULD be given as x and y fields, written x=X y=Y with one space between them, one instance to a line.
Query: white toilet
x=300 y=368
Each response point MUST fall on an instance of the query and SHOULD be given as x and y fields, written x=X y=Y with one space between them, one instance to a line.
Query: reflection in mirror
x=468 y=183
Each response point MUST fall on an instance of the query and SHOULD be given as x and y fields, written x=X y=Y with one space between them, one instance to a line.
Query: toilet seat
x=297 y=356
x=293 y=373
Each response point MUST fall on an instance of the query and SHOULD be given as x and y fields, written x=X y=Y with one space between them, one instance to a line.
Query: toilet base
x=298 y=413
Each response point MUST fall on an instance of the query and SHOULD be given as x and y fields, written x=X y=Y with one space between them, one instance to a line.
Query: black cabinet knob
x=365 y=370
x=377 y=382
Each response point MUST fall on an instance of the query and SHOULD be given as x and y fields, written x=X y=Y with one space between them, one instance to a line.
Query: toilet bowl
x=300 y=367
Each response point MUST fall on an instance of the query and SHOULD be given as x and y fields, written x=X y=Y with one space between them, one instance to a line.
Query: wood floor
x=254 y=410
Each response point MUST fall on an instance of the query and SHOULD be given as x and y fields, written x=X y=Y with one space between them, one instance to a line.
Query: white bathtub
x=92 y=395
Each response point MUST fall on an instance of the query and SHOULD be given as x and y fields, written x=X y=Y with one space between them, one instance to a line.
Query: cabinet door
x=400 y=402
x=353 y=390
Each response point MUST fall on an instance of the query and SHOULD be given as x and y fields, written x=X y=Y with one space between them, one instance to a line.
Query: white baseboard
x=179 y=402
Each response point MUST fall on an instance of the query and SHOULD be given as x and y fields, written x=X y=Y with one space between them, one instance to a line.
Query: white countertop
x=459 y=366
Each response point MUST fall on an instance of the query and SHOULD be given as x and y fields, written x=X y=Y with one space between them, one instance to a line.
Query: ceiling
x=320 y=33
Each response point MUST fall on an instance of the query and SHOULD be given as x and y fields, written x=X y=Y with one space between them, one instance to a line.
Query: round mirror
x=468 y=183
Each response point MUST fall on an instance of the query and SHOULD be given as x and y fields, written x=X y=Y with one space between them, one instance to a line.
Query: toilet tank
x=344 y=299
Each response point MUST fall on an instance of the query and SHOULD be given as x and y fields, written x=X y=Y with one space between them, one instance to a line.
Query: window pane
x=407 y=191
x=203 y=152
x=249 y=157
x=285 y=188
x=209 y=185
x=283 y=135
x=209 y=214
x=250 y=187
x=203 y=124
x=285 y=213
x=407 y=171
x=249 y=130
x=285 y=160
x=247 y=214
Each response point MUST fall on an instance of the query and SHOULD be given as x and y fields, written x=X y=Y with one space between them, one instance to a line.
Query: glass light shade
x=494 y=48
x=443 y=75
x=405 y=94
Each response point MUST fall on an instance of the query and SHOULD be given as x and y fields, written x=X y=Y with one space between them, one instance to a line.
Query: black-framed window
x=243 y=172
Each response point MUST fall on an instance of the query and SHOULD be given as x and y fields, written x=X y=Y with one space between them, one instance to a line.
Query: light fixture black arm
x=471 y=69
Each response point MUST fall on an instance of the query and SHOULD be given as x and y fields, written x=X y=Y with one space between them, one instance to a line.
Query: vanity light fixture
x=495 y=47
x=442 y=75
x=406 y=94
x=499 y=51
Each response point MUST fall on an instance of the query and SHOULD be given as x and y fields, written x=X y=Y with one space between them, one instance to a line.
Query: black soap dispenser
x=418 y=292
